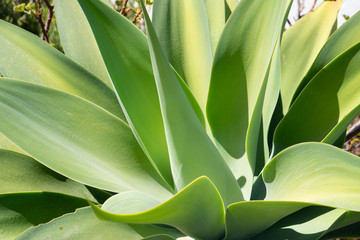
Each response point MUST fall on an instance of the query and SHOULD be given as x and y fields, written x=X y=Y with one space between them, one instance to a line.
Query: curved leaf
x=82 y=225
x=336 y=106
x=77 y=38
x=185 y=211
x=27 y=57
x=183 y=31
x=344 y=38
x=315 y=173
x=247 y=219
x=310 y=223
x=75 y=138
x=303 y=175
x=19 y=211
x=300 y=46
x=21 y=173
x=192 y=153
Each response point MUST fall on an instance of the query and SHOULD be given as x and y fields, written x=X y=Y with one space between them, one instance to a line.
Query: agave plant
x=216 y=124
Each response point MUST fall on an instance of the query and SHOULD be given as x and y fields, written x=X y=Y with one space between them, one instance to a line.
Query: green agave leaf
x=192 y=153
x=270 y=100
x=237 y=90
x=125 y=52
x=232 y=4
x=77 y=38
x=344 y=226
x=185 y=211
x=350 y=231
x=27 y=57
x=19 y=211
x=300 y=46
x=300 y=176
x=21 y=173
x=247 y=219
x=83 y=224
x=336 y=106
x=5 y=143
x=215 y=12
x=75 y=138
x=345 y=37
x=315 y=173
x=307 y=224
x=183 y=31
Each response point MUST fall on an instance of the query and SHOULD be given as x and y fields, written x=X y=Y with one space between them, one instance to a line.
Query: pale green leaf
x=300 y=46
x=185 y=211
x=326 y=106
x=247 y=219
x=307 y=224
x=239 y=74
x=126 y=55
x=19 y=211
x=192 y=153
x=303 y=175
x=25 y=56
x=21 y=173
x=83 y=224
x=183 y=30
x=77 y=38
x=315 y=173
x=232 y=4
x=270 y=100
x=215 y=12
x=5 y=143
x=75 y=138
x=344 y=38
x=80 y=225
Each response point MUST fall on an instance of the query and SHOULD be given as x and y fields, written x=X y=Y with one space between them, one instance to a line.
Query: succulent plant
x=216 y=124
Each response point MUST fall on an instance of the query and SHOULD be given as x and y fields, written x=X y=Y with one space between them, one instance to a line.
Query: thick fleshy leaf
x=185 y=211
x=25 y=56
x=125 y=52
x=83 y=224
x=77 y=38
x=262 y=220
x=351 y=231
x=21 y=173
x=307 y=224
x=345 y=37
x=239 y=74
x=303 y=175
x=6 y=144
x=312 y=223
x=19 y=211
x=270 y=100
x=247 y=219
x=75 y=138
x=314 y=173
x=192 y=153
x=335 y=91
x=184 y=34
x=300 y=46
x=215 y=12
x=232 y=4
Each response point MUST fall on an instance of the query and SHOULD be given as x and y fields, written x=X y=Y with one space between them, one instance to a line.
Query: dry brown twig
x=138 y=12
x=38 y=15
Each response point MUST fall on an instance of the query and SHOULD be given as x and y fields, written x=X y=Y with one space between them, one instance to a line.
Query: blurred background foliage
x=33 y=16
